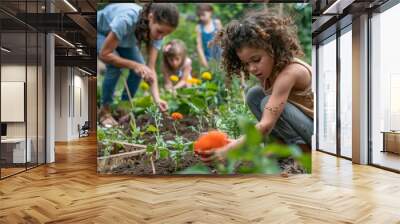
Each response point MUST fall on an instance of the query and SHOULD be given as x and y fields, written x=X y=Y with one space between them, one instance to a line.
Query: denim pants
x=293 y=126
x=112 y=73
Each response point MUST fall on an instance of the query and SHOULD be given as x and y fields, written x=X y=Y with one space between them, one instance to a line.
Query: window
x=346 y=75
x=385 y=88
x=22 y=76
x=327 y=95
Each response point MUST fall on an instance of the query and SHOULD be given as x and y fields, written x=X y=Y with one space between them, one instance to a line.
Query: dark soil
x=142 y=166
x=184 y=128
x=162 y=167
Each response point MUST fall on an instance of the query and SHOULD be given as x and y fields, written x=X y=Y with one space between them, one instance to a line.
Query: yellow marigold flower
x=174 y=78
x=206 y=75
x=144 y=86
x=193 y=81
x=189 y=80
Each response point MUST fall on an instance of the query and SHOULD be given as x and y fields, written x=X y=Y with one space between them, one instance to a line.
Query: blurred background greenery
x=300 y=12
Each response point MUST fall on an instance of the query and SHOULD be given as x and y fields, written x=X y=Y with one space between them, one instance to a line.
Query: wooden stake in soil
x=152 y=164
x=110 y=162
x=130 y=101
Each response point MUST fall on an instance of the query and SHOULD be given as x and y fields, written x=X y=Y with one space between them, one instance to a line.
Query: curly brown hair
x=164 y=13
x=259 y=29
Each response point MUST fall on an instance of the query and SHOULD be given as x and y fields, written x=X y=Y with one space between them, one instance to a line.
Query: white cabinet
x=17 y=146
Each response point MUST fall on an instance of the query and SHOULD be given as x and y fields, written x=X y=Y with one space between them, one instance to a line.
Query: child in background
x=206 y=30
x=176 y=65
x=121 y=29
x=267 y=46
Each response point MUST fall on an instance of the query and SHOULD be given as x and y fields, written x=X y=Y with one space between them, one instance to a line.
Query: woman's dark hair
x=203 y=7
x=174 y=48
x=164 y=13
x=261 y=30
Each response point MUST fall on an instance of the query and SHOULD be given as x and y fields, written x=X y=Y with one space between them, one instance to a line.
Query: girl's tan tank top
x=303 y=99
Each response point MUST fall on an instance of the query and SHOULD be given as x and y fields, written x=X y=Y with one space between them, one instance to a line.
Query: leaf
x=246 y=170
x=150 y=148
x=305 y=161
x=164 y=153
x=184 y=108
x=143 y=102
x=211 y=86
x=277 y=150
x=253 y=136
x=189 y=147
x=151 y=128
x=187 y=91
x=199 y=103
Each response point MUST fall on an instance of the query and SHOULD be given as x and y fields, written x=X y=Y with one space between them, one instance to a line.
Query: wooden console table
x=391 y=141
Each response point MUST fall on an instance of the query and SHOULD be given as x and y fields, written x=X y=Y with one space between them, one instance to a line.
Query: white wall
x=12 y=73
x=34 y=125
x=71 y=94
x=61 y=104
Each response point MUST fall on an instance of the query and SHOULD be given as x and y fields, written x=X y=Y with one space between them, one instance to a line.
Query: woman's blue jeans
x=293 y=126
x=112 y=73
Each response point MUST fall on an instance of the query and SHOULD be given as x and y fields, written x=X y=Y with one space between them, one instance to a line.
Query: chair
x=84 y=130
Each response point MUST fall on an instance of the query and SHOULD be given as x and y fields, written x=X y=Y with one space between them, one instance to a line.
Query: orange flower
x=176 y=116
x=211 y=140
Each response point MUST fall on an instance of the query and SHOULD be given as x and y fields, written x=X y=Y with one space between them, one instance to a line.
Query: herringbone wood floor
x=70 y=191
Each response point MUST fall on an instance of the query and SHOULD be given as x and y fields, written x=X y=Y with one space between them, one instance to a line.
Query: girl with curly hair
x=121 y=29
x=266 y=46
x=176 y=64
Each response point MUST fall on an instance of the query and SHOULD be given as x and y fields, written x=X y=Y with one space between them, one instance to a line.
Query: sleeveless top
x=212 y=52
x=303 y=99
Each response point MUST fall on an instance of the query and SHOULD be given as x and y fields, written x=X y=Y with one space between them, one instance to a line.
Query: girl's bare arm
x=106 y=54
x=152 y=52
x=281 y=89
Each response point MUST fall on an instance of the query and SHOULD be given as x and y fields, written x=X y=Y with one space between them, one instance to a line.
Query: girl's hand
x=145 y=72
x=163 y=105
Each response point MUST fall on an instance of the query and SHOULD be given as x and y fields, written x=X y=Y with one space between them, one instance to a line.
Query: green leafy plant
x=159 y=149
x=256 y=155
x=178 y=148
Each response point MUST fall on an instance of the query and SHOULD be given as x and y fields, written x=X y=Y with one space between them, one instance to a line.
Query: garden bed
x=126 y=161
